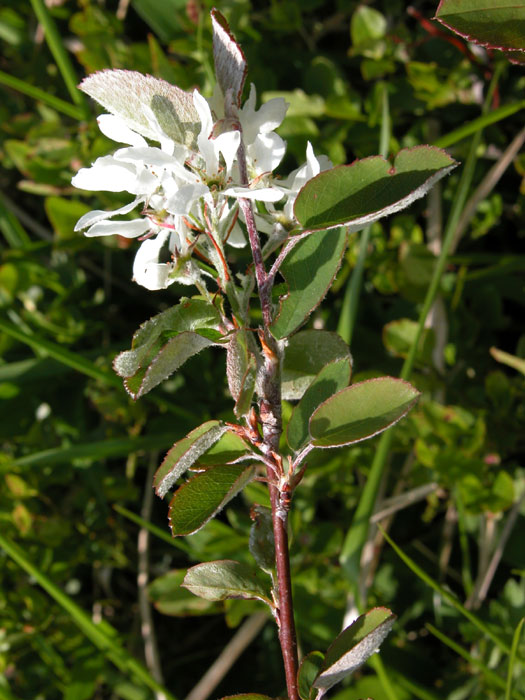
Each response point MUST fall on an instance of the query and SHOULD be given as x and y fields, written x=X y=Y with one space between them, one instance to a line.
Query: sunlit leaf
x=309 y=270
x=202 y=497
x=230 y=63
x=361 y=411
x=368 y=189
x=219 y=580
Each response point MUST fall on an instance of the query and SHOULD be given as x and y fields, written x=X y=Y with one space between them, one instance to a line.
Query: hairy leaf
x=361 y=411
x=230 y=63
x=241 y=369
x=129 y=95
x=331 y=379
x=184 y=453
x=202 y=497
x=305 y=355
x=354 y=646
x=308 y=671
x=262 y=544
x=162 y=344
x=496 y=24
x=219 y=580
x=368 y=189
x=309 y=270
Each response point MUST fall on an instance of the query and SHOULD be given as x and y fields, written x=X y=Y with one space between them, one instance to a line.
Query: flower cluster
x=187 y=193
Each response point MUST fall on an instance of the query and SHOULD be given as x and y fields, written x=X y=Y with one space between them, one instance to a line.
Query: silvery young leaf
x=230 y=63
x=128 y=94
x=368 y=189
x=305 y=355
x=202 y=497
x=241 y=368
x=354 y=646
x=496 y=24
x=162 y=344
x=308 y=672
x=185 y=453
x=361 y=411
x=261 y=543
x=331 y=379
x=309 y=270
x=219 y=580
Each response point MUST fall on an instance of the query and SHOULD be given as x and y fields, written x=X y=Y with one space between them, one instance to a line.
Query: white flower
x=179 y=191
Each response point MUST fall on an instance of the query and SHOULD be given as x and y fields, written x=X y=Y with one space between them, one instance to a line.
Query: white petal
x=106 y=174
x=117 y=130
x=180 y=203
x=93 y=217
x=206 y=146
x=266 y=152
x=228 y=145
x=128 y=229
x=147 y=271
x=236 y=238
x=263 y=194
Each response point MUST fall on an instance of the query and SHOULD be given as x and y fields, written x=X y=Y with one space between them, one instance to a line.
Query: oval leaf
x=496 y=24
x=184 y=453
x=331 y=379
x=128 y=94
x=219 y=580
x=229 y=448
x=162 y=344
x=361 y=411
x=369 y=189
x=230 y=63
x=309 y=669
x=354 y=646
x=305 y=355
x=169 y=598
x=203 y=496
x=262 y=543
x=241 y=369
x=309 y=270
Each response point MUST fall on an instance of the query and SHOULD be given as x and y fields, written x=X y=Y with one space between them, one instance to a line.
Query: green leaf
x=161 y=16
x=361 y=411
x=162 y=344
x=126 y=93
x=399 y=336
x=309 y=270
x=185 y=453
x=308 y=671
x=369 y=189
x=354 y=646
x=496 y=24
x=170 y=598
x=63 y=214
x=241 y=369
x=331 y=379
x=201 y=498
x=367 y=25
x=247 y=696
x=305 y=355
x=262 y=544
x=219 y=580
x=229 y=448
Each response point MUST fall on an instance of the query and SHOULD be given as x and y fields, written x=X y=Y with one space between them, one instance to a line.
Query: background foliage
x=78 y=453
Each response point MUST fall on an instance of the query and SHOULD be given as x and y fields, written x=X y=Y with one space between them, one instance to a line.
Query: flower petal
x=106 y=174
x=147 y=270
x=262 y=194
x=93 y=217
x=127 y=229
x=117 y=130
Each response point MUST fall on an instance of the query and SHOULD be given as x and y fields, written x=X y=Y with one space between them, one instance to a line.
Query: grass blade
x=42 y=96
x=473 y=661
x=447 y=595
x=60 y=54
x=177 y=542
x=478 y=124
x=512 y=658
x=103 y=636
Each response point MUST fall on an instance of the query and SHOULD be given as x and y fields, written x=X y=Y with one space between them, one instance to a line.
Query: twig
x=151 y=652
x=229 y=655
x=481 y=589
